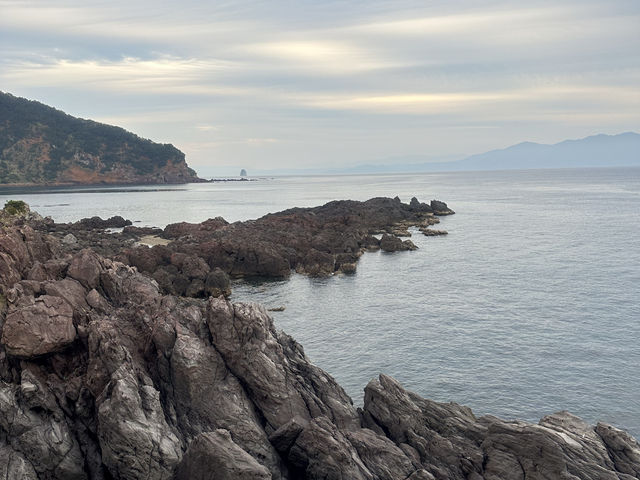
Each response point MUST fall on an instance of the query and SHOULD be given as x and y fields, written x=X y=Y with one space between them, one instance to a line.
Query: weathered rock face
x=135 y=384
x=215 y=455
x=42 y=327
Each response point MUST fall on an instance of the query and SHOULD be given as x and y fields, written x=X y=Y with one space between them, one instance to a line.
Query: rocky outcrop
x=391 y=243
x=134 y=383
x=197 y=260
x=40 y=145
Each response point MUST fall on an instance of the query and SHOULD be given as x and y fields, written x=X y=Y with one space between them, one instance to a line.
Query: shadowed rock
x=215 y=456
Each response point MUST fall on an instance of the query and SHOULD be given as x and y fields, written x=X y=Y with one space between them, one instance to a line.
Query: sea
x=530 y=305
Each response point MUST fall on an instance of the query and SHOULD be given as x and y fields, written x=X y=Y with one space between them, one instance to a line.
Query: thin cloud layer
x=275 y=85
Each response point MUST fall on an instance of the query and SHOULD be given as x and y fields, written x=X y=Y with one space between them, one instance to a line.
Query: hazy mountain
x=41 y=145
x=595 y=151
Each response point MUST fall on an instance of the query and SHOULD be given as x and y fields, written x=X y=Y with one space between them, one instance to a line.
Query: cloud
x=345 y=80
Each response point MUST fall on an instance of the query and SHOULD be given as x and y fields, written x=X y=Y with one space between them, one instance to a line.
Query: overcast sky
x=294 y=84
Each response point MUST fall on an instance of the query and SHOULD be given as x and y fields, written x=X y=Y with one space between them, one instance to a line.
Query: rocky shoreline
x=197 y=260
x=105 y=373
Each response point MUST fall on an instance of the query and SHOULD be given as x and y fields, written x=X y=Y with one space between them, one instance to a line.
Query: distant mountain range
x=594 y=151
x=40 y=145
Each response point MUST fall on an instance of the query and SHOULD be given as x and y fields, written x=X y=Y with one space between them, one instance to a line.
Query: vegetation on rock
x=16 y=207
x=42 y=145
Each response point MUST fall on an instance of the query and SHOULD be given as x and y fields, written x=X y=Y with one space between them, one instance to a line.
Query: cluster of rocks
x=102 y=376
x=197 y=260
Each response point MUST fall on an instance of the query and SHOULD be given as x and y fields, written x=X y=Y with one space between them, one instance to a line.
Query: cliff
x=102 y=376
x=40 y=145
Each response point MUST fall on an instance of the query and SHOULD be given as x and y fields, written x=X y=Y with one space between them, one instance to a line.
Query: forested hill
x=40 y=145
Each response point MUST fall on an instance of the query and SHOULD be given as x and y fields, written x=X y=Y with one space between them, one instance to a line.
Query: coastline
x=290 y=410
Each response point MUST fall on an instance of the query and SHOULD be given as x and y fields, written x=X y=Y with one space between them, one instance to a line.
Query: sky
x=268 y=85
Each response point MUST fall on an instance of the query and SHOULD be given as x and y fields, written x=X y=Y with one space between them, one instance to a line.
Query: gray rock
x=39 y=436
x=69 y=239
x=145 y=387
x=452 y=443
x=135 y=439
x=285 y=436
x=440 y=208
x=321 y=451
x=208 y=397
x=622 y=448
x=273 y=367
x=391 y=243
x=215 y=456
x=14 y=465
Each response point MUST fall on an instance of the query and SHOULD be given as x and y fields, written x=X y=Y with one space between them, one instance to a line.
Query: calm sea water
x=530 y=305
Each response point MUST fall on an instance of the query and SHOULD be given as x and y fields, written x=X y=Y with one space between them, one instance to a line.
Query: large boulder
x=40 y=328
x=86 y=268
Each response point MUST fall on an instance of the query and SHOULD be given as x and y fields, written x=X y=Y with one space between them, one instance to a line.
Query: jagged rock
x=95 y=223
x=391 y=243
x=267 y=363
x=317 y=263
x=14 y=465
x=208 y=396
x=97 y=301
x=427 y=427
x=452 y=443
x=383 y=458
x=135 y=439
x=417 y=206
x=44 y=327
x=195 y=267
x=321 y=451
x=285 y=436
x=141 y=231
x=440 y=208
x=176 y=230
x=41 y=437
x=72 y=292
x=348 y=268
x=622 y=448
x=215 y=456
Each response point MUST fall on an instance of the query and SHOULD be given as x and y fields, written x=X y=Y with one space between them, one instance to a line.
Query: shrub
x=16 y=207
